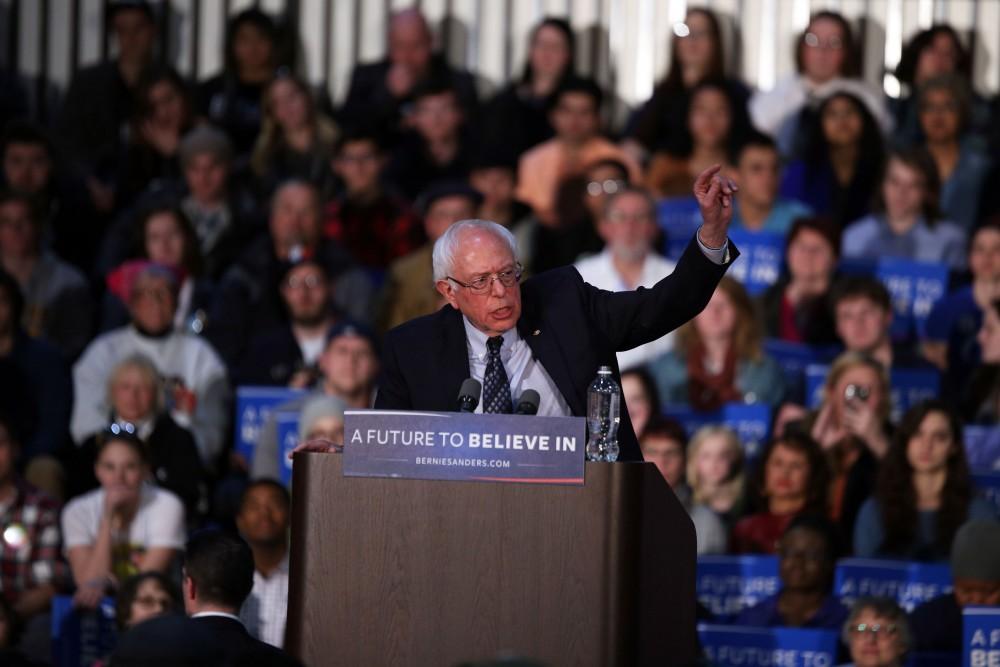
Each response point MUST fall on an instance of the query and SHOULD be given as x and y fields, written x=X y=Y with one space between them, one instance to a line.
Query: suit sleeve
x=630 y=319
x=393 y=392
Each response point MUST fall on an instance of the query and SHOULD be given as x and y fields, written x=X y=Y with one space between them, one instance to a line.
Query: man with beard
x=287 y=354
x=628 y=227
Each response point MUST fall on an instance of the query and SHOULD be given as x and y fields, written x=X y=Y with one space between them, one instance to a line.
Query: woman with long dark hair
x=839 y=168
x=924 y=491
x=517 y=117
x=696 y=55
x=908 y=223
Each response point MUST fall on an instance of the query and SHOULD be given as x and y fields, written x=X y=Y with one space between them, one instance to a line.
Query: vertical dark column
x=42 y=82
x=195 y=54
x=508 y=45
x=74 y=36
x=105 y=38
x=327 y=37
x=13 y=35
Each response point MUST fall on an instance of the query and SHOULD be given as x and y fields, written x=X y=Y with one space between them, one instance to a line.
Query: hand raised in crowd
x=89 y=595
x=826 y=431
x=714 y=193
x=861 y=419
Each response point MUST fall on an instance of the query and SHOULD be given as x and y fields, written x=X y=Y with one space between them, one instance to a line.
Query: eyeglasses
x=482 y=284
x=607 y=187
x=309 y=282
x=124 y=428
x=876 y=630
x=813 y=41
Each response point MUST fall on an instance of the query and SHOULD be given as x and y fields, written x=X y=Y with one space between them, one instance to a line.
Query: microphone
x=468 y=395
x=528 y=403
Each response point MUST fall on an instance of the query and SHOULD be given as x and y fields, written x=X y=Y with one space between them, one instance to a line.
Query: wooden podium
x=415 y=572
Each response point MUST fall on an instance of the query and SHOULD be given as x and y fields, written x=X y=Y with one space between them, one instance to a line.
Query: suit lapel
x=546 y=349
x=453 y=353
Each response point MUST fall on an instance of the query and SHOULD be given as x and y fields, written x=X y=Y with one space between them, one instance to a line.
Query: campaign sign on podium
x=464 y=446
x=981 y=636
x=734 y=645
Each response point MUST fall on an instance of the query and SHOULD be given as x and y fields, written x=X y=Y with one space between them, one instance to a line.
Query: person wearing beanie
x=975 y=573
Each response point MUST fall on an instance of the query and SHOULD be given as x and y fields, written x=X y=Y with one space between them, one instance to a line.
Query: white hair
x=447 y=245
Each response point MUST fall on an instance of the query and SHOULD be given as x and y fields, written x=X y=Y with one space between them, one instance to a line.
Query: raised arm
x=714 y=193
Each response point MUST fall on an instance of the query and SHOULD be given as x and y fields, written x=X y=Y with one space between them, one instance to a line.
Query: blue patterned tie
x=496 y=388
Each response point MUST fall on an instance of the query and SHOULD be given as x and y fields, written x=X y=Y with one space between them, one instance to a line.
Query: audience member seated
x=807 y=555
x=837 y=172
x=495 y=178
x=797 y=308
x=862 y=311
x=826 y=58
x=713 y=129
x=409 y=290
x=379 y=91
x=162 y=114
x=962 y=161
x=349 y=368
x=949 y=340
x=696 y=55
x=249 y=300
x=31 y=568
x=233 y=99
x=924 y=491
x=715 y=475
x=931 y=53
x=136 y=396
x=876 y=633
x=144 y=596
x=756 y=205
x=57 y=302
x=629 y=230
x=663 y=444
x=124 y=527
x=372 y=222
x=36 y=389
x=981 y=398
x=286 y=354
x=640 y=396
x=791 y=480
x=218 y=578
x=907 y=223
x=198 y=391
x=853 y=428
x=101 y=99
x=70 y=226
x=296 y=139
x=163 y=235
x=717 y=357
x=516 y=119
x=975 y=576
x=581 y=201
x=575 y=115
x=264 y=521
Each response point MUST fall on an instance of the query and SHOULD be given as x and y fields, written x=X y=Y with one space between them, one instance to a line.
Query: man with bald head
x=550 y=333
x=379 y=90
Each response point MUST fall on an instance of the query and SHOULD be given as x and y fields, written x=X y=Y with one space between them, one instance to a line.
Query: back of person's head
x=220 y=569
x=171 y=640
x=975 y=563
x=895 y=489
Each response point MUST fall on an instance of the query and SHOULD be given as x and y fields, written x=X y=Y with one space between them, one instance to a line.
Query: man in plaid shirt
x=31 y=566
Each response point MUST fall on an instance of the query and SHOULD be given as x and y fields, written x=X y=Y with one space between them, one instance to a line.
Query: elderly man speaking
x=550 y=333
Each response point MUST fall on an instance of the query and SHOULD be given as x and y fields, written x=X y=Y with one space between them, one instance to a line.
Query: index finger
x=702 y=182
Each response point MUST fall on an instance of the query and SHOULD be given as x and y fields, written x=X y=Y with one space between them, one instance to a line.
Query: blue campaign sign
x=728 y=584
x=982 y=447
x=981 y=636
x=751 y=422
x=794 y=358
x=288 y=438
x=988 y=483
x=79 y=639
x=761 y=256
x=908 y=386
x=906 y=582
x=464 y=447
x=253 y=405
x=914 y=287
x=739 y=646
x=679 y=218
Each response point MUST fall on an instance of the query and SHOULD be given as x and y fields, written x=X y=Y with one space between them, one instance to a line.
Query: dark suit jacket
x=241 y=649
x=572 y=328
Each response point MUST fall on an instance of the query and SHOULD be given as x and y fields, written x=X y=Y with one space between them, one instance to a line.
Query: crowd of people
x=164 y=241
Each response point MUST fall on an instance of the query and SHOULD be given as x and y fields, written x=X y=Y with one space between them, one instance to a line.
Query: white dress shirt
x=266 y=608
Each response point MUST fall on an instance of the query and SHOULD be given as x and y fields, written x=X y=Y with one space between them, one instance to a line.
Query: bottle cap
x=604 y=370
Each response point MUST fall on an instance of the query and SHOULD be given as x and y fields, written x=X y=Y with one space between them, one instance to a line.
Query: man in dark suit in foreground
x=218 y=577
x=552 y=332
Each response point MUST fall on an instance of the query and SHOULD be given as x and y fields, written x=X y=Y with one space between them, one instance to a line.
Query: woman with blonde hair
x=296 y=139
x=715 y=477
x=718 y=357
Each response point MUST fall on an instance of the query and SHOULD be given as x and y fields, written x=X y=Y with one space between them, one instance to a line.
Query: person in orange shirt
x=575 y=116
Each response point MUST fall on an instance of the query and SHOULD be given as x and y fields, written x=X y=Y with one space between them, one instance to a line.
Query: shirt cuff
x=718 y=256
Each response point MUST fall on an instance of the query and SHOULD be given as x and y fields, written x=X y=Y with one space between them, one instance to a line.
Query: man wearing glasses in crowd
x=550 y=333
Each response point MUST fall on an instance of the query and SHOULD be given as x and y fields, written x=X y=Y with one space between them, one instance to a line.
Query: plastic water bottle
x=603 y=399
